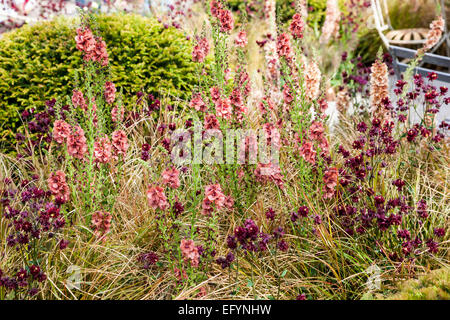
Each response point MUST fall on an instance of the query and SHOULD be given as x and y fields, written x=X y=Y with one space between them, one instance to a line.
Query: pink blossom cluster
x=201 y=50
x=78 y=99
x=213 y=196
x=171 y=177
x=58 y=186
x=435 y=33
x=265 y=105
x=287 y=94
x=284 y=46
x=244 y=82
x=241 y=39
x=223 y=108
x=76 y=143
x=226 y=20
x=101 y=223
x=272 y=135
x=238 y=103
x=308 y=152
x=330 y=27
x=211 y=122
x=197 y=103
x=190 y=252
x=225 y=16
x=316 y=134
x=102 y=150
x=215 y=94
x=156 y=198
x=269 y=172
x=330 y=178
x=94 y=48
x=312 y=81
x=119 y=143
x=215 y=7
x=61 y=130
x=297 y=26
x=110 y=92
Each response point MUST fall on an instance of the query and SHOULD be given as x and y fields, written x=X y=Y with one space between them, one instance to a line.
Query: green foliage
x=433 y=286
x=368 y=45
x=285 y=9
x=40 y=62
x=316 y=17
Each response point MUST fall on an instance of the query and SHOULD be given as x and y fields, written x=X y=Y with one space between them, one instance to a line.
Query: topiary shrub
x=40 y=62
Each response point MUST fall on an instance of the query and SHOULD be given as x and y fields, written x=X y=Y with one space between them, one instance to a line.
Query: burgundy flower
x=439 y=232
x=270 y=214
x=303 y=211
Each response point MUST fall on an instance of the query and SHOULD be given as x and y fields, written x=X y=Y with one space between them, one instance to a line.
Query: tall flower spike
x=297 y=26
x=102 y=150
x=270 y=50
x=312 y=81
x=119 y=142
x=61 y=131
x=76 y=143
x=302 y=7
x=331 y=25
x=284 y=46
x=330 y=178
x=110 y=92
x=190 y=251
x=226 y=20
x=379 y=85
x=435 y=33
x=201 y=50
x=58 y=186
x=171 y=178
x=342 y=102
x=156 y=198
x=241 y=39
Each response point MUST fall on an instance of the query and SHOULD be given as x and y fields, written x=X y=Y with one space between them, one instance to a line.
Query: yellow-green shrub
x=435 y=285
x=39 y=62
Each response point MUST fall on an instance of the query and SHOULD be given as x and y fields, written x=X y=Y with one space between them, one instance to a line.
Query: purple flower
x=422 y=209
x=283 y=246
x=439 y=232
x=303 y=211
x=63 y=244
x=432 y=245
x=231 y=242
x=148 y=259
x=270 y=214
